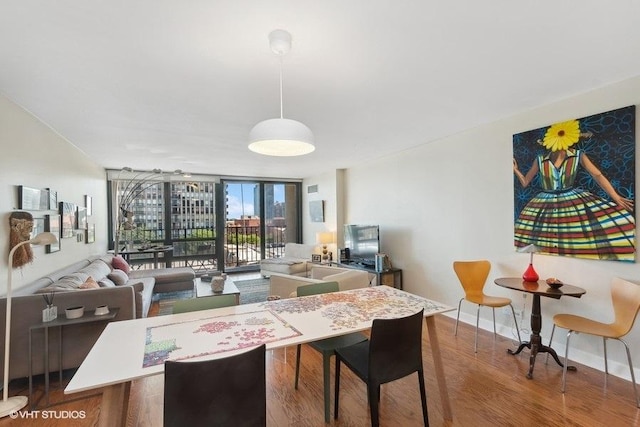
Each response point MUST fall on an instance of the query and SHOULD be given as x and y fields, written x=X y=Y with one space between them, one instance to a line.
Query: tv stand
x=389 y=276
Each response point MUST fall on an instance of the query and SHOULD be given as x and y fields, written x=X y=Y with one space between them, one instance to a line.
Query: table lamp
x=324 y=239
x=530 y=274
x=11 y=405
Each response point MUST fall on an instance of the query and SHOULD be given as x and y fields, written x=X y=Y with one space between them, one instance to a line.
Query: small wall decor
x=316 y=258
x=81 y=218
x=316 y=210
x=21 y=225
x=53 y=199
x=574 y=187
x=68 y=216
x=38 y=227
x=52 y=224
x=32 y=199
x=88 y=203
x=91 y=233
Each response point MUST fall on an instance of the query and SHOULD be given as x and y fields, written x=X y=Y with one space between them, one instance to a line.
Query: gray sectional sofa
x=132 y=297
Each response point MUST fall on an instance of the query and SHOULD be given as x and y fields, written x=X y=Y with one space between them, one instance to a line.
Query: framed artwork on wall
x=68 y=218
x=32 y=199
x=574 y=187
x=88 y=203
x=91 y=233
x=81 y=218
x=38 y=227
x=53 y=199
x=52 y=224
x=316 y=210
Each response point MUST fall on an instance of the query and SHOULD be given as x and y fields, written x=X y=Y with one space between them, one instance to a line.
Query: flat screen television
x=363 y=242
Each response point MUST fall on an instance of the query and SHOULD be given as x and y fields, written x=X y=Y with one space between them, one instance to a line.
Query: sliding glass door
x=260 y=217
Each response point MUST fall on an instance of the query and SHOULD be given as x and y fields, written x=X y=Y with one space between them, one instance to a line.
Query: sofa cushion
x=118 y=277
x=97 y=269
x=167 y=279
x=351 y=279
x=70 y=282
x=119 y=263
x=105 y=282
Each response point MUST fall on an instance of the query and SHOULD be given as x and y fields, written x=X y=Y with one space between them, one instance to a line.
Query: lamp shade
x=281 y=137
x=44 y=238
x=324 y=238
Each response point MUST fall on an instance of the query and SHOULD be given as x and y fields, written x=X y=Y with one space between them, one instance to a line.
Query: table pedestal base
x=536 y=346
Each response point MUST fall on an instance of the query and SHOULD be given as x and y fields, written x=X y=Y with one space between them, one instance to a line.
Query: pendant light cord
x=281 y=107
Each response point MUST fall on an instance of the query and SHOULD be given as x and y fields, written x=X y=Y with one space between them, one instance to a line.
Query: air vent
x=312 y=188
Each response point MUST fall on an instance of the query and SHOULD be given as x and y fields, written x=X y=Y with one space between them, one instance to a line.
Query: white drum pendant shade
x=281 y=137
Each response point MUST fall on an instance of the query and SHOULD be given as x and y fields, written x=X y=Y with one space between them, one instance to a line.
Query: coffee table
x=203 y=289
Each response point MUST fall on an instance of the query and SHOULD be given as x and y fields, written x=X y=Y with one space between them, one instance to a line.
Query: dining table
x=133 y=349
x=538 y=289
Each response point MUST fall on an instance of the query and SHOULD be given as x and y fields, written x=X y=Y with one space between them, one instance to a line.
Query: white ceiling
x=179 y=84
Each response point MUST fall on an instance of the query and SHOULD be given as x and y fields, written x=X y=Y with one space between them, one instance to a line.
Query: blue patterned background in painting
x=611 y=149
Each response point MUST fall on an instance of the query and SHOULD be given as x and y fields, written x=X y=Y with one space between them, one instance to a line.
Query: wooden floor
x=486 y=389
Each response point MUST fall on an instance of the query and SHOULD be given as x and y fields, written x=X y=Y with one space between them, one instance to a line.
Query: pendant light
x=281 y=137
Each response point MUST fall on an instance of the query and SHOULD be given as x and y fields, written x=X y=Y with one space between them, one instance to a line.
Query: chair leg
x=326 y=373
x=455 y=331
x=633 y=377
x=493 y=312
x=553 y=330
x=606 y=363
x=566 y=362
x=298 y=351
x=337 y=387
x=477 y=324
x=373 y=391
x=423 y=397
x=515 y=322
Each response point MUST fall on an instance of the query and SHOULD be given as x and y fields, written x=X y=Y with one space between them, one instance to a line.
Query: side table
x=88 y=317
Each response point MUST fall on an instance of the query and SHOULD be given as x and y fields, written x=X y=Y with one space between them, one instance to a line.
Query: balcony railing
x=192 y=247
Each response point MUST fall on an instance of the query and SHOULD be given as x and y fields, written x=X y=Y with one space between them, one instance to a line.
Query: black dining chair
x=326 y=347
x=221 y=392
x=393 y=352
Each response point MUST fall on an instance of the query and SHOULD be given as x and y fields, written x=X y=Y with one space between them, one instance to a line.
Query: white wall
x=453 y=199
x=35 y=156
x=328 y=191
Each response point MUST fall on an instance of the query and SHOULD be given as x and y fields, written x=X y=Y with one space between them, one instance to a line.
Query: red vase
x=530 y=274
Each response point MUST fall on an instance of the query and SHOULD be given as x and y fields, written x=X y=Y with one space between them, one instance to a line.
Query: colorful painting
x=202 y=337
x=574 y=187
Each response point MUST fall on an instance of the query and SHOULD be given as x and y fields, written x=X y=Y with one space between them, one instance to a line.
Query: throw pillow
x=118 y=277
x=106 y=283
x=90 y=283
x=119 y=263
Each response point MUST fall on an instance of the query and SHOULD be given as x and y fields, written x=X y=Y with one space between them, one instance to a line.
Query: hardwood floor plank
x=488 y=388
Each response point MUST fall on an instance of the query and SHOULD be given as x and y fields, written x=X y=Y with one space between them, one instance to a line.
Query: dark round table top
x=539 y=288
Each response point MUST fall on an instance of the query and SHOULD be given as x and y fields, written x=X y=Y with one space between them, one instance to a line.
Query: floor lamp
x=15 y=403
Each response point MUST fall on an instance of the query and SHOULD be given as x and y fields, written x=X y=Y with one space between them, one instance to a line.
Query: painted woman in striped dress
x=566 y=220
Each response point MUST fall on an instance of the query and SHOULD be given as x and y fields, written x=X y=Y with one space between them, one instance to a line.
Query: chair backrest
x=626 y=303
x=472 y=275
x=204 y=303
x=317 y=288
x=395 y=347
x=223 y=392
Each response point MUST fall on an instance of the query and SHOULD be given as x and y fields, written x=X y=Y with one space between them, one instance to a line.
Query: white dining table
x=133 y=349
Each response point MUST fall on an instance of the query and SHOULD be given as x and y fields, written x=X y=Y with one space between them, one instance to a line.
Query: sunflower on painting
x=565 y=219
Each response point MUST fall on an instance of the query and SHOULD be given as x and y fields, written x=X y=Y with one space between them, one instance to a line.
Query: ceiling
x=179 y=84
